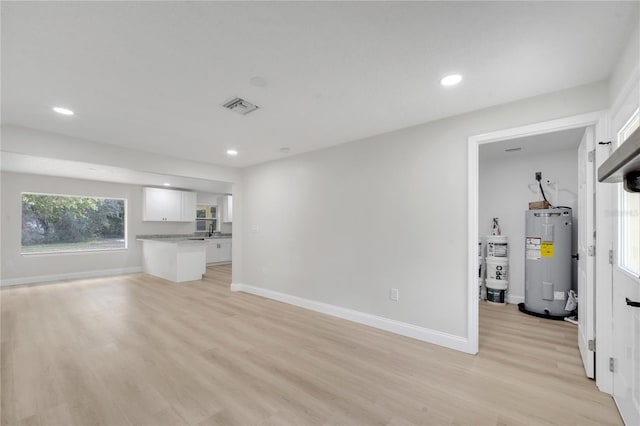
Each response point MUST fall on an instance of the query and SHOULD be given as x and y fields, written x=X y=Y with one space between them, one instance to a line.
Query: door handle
x=632 y=303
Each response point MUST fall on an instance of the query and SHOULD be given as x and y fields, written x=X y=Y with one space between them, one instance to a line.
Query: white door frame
x=599 y=120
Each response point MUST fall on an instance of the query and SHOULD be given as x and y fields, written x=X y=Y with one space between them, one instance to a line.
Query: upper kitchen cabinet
x=188 y=206
x=168 y=205
x=225 y=207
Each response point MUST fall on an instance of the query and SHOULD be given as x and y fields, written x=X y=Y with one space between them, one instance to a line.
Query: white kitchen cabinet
x=225 y=206
x=188 y=206
x=225 y=247
x=168 y=205
x=218 y=250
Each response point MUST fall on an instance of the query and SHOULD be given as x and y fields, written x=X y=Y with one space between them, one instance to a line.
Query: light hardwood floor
x=144 y=351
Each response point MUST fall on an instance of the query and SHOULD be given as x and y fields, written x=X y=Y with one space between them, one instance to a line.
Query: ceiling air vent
x=240 y=106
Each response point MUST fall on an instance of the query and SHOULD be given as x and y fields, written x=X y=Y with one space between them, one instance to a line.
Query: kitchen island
x=177 y=259
x=181 y=258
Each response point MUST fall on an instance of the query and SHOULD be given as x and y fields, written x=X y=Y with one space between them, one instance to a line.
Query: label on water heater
x=546 y=248
x=533 y=248
x=558 y=295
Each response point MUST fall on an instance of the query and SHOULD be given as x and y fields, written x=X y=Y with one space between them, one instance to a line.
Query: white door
x=586 y=261
x=213 y=251
x=626 y=345
x=626 y=293
x=225 y=245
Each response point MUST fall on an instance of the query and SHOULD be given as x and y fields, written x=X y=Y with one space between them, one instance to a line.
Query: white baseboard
x=69 y=276
x=405 y=329
x=515 y=299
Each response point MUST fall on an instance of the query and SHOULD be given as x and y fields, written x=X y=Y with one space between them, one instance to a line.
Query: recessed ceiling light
x=63 y=111
x=285 y=150
x=232 y=152
x=451 y=80
x=166 y=184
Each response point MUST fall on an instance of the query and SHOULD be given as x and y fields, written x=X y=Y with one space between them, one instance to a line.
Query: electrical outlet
x=538 y=176
x=255 y=229
x=394 y=294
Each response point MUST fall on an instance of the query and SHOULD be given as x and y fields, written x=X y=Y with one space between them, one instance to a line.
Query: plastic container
x=498 y=268
x=497 y=291
x=497 y=246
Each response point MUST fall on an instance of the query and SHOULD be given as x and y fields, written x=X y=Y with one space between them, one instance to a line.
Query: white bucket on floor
x=498 y=268
x=497 y=245
x=497 y=291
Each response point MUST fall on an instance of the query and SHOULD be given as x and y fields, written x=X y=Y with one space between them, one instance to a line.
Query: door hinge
x=612 y=365
x=592 y=250
x=591 y=344
x=591 y=156
x=610 y=257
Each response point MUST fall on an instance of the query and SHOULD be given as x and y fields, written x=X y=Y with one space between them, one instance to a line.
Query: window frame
x=624 y=209
x=83 y=251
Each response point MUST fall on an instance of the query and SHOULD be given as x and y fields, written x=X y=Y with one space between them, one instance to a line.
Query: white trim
x=69 y=252
x=472 y=249
x=515 y=299
x=69 y=276
x=597 y=119
x=393 y=326
x=566 y=123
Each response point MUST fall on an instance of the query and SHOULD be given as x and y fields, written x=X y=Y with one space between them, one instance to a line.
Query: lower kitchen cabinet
x=218 y=250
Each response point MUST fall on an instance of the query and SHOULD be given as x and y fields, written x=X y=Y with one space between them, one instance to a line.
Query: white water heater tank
x=547 y=261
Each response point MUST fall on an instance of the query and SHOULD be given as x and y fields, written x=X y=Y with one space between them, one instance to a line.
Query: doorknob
x=632 y=303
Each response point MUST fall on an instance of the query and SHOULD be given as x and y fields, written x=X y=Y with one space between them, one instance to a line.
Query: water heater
x=547 y=261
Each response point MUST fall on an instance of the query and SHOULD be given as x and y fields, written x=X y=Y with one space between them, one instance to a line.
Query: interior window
x=629 y=219
x=63 y=223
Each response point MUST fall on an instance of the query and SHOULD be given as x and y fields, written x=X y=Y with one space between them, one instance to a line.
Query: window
x=206 y=218
x=629 y=219
x=62 y=223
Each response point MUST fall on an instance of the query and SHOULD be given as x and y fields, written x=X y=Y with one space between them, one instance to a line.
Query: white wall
x=626 y=72
x=208 y=198
x=343 y=225
x=503 y=193
x=16 y=266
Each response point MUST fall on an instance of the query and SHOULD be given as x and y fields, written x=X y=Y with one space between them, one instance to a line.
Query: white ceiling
x=531 y=145
x=152 y=75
